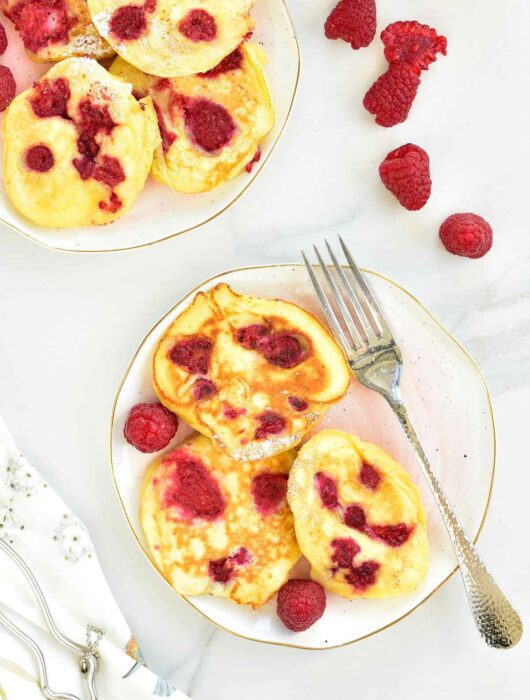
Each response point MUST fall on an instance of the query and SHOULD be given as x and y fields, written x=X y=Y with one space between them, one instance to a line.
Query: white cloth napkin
x=57 y=547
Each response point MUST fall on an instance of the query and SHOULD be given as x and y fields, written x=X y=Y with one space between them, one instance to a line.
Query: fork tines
x=358 y=321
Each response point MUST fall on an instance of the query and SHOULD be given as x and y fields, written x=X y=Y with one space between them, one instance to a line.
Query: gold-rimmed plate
x=448 y=400
x=160 y=213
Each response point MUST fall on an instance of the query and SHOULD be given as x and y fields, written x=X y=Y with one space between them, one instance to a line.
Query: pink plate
x=448 y=400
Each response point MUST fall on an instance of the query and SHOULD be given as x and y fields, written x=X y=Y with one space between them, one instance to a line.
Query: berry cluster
x=8 y=86
x=409 y=48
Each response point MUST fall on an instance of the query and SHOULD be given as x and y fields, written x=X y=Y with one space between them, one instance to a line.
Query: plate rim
x=218 y=213
x=186 y=599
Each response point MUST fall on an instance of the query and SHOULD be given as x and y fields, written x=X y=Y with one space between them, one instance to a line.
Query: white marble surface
x=70 y=323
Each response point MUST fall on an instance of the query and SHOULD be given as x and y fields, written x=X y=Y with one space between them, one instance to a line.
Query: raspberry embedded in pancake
x=218 y=526
x=56 y=29
x=78 y=146
x=211 y=124
x=358 y=517
x=253 y=374
x=172 y=38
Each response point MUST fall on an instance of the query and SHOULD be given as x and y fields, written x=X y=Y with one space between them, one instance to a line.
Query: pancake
x=252 y=374
x=218 y=526
x=171 y=38
x=211 y=124
x=56 y=29
x=358 y=517
x=78 y=147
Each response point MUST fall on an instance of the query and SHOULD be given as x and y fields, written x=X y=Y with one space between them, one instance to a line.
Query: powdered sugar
x=90 y=45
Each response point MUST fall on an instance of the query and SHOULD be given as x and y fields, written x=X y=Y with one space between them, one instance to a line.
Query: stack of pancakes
x=229 y=511
x=193 y=66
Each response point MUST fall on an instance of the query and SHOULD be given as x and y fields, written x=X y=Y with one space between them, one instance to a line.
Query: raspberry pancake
x=359 y=519
x=252 y=374
x=78 y=147
x=171 y=38
x=218 y=526
x=56 y=29
x=212 y=124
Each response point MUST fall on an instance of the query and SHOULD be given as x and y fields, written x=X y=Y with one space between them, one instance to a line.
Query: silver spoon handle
x=43 y=672
x=495 y=617
x=89 y=655
x=89 y=667
x=39 y=595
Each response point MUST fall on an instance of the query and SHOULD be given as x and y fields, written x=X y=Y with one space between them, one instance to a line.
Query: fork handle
x=495 y=617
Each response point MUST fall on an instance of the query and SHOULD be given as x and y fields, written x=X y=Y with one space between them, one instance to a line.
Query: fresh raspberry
x=300 y=604
x=150 y=427
x=354 y=21
x=198 y=25
x=3 y=39
x=412 y=43
x=468 y=235
x=8 y=87
x=405 y=172
x=390 y=97
x=128 y=23
x=39 y=158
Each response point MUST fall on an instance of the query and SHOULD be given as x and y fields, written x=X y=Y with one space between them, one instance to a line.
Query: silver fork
x=375 y=359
